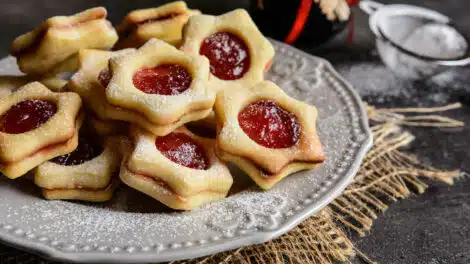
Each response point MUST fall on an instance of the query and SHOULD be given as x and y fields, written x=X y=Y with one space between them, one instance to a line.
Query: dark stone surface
x=433 y=228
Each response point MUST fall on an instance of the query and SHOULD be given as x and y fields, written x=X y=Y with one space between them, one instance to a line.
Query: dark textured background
x=429 y=229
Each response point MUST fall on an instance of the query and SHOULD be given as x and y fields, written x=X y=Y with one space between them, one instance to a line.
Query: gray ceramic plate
x=134 y=228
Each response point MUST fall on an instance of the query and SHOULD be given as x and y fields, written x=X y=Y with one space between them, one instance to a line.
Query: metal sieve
x=416 y=42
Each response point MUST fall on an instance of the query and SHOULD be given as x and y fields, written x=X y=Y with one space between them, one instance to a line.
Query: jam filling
x=104 y=77
x=228 y=55
x=182 y=149
x=133 y=27
x=42 y=34
x=269 y=125
x=159 y=18
x=88 y=149
x=165 y=79
x=26 y=115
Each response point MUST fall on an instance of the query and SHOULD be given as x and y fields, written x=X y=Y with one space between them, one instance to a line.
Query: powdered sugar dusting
x=270 y=125
x=183 y=153
x=228 y=55
x=166 y=79
x=181 y=149
x=134 y=219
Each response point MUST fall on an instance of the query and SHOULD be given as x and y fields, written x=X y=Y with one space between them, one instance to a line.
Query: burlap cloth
x=386 y=174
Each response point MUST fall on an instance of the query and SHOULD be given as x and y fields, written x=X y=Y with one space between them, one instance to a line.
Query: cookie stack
x=136 y=103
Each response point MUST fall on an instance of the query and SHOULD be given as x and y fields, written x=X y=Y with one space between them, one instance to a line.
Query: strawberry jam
x=104 y=77
x=182 y=149
x=166 y=79
x=26 y=115
x=88 y=149
x=228 y=55
x=269 y=125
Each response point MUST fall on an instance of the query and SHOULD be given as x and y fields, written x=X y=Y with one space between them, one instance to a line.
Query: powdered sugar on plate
x=134 y=219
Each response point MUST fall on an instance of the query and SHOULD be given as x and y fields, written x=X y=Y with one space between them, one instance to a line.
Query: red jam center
x=166 y=79
x=104 y=77
x=228 y=55
x=26 y=115
x=269 y=125
x=88 y=149
x=182 y=149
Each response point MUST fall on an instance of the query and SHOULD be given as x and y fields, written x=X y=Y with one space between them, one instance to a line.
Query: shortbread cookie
x=180 y=169
x=237 y=51
x=87 y=173
x=268 y=134
x=60 y=37
x=165 y=22
x=162 y=84
x=35 y=126
x=90 y=83
x=10 y=83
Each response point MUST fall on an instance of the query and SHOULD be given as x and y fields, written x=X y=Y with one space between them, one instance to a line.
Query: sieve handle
x=369 y=6
x=462 y=62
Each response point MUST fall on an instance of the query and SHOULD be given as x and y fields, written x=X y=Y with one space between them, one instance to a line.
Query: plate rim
x=9 y=235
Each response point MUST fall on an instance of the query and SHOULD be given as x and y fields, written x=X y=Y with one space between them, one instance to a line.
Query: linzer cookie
x=266 y=133
x=165 y=22
x=237 y=51
x=60 y=37
x=85 y=174
x=37 y=125
x=180 y=169
x=164 y=86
